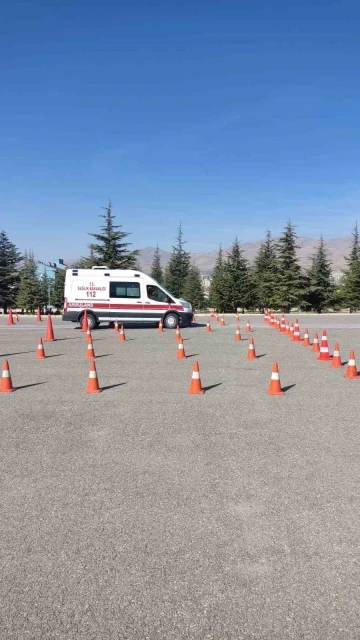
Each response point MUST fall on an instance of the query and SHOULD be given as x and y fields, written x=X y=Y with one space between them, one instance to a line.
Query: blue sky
x=229 y=116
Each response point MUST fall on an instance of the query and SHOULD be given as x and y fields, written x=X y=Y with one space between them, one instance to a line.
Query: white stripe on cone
x=92 y=374
x=6 y=374
x=196 y=375
x=275 y=376
x=351 y=363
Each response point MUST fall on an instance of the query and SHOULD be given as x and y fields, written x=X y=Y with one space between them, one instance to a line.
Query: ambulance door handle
x=137 y=302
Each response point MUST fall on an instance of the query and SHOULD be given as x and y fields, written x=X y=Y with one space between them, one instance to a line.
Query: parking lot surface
x=147 y=513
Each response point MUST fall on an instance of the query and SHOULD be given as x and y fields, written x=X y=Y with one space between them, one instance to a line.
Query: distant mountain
x=337 y=247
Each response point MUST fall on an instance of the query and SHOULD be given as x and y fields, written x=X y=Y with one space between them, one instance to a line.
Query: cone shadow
x=55 y=355
x=26 y=386
x=17 y=353
x=262 y=355
x=112 y=386
x=290 y=386
x=212 y=386
x=104 y=355
x=192 y=355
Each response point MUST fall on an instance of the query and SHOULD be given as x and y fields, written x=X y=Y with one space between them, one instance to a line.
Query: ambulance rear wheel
x=171 y=321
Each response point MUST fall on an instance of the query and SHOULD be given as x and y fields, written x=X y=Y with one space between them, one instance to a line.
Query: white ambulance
x=126 y=296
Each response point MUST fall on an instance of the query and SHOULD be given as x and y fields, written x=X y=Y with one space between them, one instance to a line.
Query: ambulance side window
x=157 y=294
x=125 y=290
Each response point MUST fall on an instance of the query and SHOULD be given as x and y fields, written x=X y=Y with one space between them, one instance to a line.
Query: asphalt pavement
x=147 y=513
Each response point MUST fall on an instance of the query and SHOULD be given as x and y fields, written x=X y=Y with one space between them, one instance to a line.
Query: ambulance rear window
x=124 y=289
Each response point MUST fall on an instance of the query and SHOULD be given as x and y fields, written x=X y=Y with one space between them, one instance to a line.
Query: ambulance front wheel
x=92 y=321
x=171 y=321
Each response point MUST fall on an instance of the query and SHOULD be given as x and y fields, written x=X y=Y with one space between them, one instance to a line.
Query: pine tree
x=237 y=292
x=178 y=267
x=320 y=290
x=156 y=271
x=194 y=288
x=266 y=271
x=351 y=280
x=111 y=249
x=217 y=284
x=9 y=274
x=290 y=288
x=58 y=288
x=87 y=262
x=45 y=287
x=29 y=295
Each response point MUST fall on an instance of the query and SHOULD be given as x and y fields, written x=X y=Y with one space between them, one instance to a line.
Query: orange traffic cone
x=122 y=337
x=306 y=341
x=217 y=317
x=237 y=335
x=49 y=337
x=248 y=327
x=272 y=320
x=315 y=346
x=10 y=317
x=40 y=352
x=282 y=324
x=351 y=370
x=6 y=382
x=222 y=322
x=177 y=334
x=324 y=348
x=93 y=383
x=38 y=315
x=275 y=385
x=90 y=353
x=88 y=337
x=237 y=318
x=296 y=335
x=266 y=315
x=84 y=324
x=336 y=359
x=195 y=384
x=291 y=331
x=208 y=327
x=287 y=329
x=251 y=355
x=17 y=318
x=160 y=327
x=180 y=353
x=116 y=326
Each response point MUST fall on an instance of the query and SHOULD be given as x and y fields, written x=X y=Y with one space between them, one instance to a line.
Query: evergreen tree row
x=21 y=286
x=274 y=280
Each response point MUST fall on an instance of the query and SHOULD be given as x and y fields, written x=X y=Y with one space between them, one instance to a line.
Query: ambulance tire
x=171 y=321
x=92 y=321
